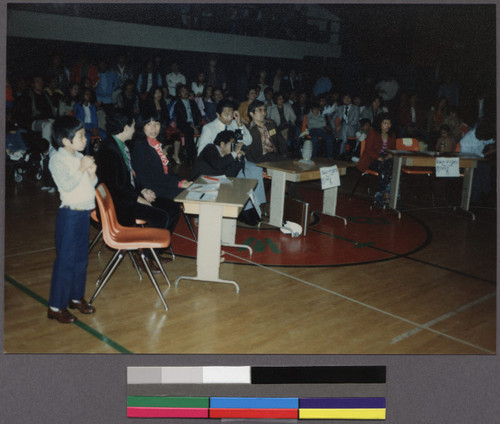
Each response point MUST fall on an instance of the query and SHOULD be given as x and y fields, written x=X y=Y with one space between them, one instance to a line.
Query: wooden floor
x=440 y=299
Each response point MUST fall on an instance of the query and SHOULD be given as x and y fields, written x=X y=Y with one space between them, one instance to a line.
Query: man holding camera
x=222 y=157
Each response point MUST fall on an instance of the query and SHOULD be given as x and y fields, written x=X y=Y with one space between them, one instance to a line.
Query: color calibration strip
x=343 y=393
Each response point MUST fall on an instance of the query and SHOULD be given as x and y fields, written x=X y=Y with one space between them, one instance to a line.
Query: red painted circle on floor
x=370 y=235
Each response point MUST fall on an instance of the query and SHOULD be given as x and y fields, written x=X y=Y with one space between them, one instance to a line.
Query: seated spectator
x=57 y=70
x=208 y=102
x=323 y=84
x=283 y=115
x=222 y=157
x=262 y=84
x=84 y=69
x=480 y=141
x=86 y=112
x=211 y=107
x=458 y=128
x=301 y=108
x=105 y=87
x=226 y=118
x=67 y=103
x=198 y=88
x=373 y=109
x=347 y=117
x=277 y=83
x=152 y=166
x=445 y=143
x=243 y=107
x=188 y=120
x=376 y=157
x=435 y=118
x=268 y=97
x=55 y=94
x=216 y=77
x=131 y=199
x=36 y=111
x=174 y=79
x=127 y=101
x=412 y=119
x=317 y=126
x=148 y=78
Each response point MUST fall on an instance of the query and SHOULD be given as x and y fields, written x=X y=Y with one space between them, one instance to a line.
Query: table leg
x=330 y=203
x=229 y=234
x=209 y=243
x=396 y=176
x=277 y=204
x=466 y=190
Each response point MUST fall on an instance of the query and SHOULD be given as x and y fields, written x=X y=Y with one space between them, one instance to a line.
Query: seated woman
x=219 y=157
x=376 y=157
x=86 y=112
x=67 y=104
x=131 y=200
x=155 y=103
x=152 y=166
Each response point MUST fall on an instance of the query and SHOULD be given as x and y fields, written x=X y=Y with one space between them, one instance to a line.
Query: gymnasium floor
x=424 y=284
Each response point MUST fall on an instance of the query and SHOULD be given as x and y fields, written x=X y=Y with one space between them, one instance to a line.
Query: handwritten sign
x=329 y=177
x=447 y=167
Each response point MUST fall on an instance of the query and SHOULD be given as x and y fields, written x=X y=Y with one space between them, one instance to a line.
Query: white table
x=216 y=226
x=428 y=159
x=295 y=171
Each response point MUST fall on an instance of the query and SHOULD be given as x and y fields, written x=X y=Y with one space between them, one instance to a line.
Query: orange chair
x=411 y=145
x=125 y=239
x=93 y=216
x=364 y=174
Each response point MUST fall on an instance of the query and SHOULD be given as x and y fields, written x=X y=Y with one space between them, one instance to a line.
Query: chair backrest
x=109 y=222
x=410 y=144
x=457 y=147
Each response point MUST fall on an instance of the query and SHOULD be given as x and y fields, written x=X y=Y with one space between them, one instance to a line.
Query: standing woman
x=376 y=157
x=152 y=166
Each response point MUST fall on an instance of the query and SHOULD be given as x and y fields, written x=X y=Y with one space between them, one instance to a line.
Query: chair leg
x=135 y=264
x=160 y=265
x=153 y=279
x=95 y=240
x=115 y=261
x=108 y=266
x=356 y=185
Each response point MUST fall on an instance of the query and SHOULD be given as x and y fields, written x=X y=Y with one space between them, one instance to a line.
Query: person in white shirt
x=174 y=79
x=75 y=177
x=227 y=118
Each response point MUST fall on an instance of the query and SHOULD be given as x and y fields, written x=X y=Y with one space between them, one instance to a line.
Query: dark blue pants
x=316 y=134
x=70 y=267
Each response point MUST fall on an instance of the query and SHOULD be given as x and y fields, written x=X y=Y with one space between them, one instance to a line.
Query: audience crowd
x=266 y=111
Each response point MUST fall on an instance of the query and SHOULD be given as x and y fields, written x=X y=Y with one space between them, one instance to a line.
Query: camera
x=238 y=135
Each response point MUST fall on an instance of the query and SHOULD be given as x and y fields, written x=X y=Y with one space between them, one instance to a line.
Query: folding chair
x=125 y=239
x=364 y=176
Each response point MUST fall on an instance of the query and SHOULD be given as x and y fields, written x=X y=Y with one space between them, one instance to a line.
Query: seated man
x=226 y=118
x=347 y=116
x=219 y=157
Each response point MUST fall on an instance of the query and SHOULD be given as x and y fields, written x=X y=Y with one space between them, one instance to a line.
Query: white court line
x=365 y=305
x=442 y=318
x=29 y=252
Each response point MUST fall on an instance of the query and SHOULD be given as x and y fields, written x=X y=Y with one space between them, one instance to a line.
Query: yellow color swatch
x=346 y=414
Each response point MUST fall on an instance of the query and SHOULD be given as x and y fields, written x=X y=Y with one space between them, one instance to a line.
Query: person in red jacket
x=376 y=157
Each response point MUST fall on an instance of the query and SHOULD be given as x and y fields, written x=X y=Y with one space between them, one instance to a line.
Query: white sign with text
x=329 y=177
x=447 y=167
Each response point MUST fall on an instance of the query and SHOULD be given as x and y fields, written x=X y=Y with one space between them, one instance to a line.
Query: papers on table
x=220 y=179
x=203 y=191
